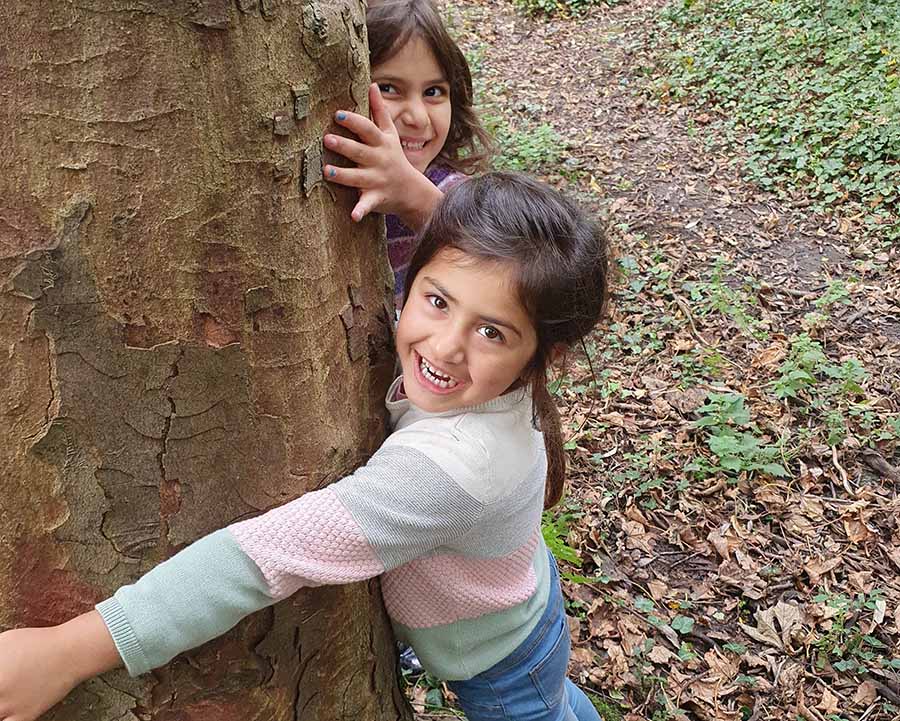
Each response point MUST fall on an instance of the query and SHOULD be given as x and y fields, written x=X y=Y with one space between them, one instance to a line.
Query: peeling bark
x=191 y=330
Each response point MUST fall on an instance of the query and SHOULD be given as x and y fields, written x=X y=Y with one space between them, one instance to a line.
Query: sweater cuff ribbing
x=123 y=635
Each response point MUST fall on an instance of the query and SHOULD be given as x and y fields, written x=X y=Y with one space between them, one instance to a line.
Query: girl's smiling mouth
x=434 y=380
x=414 y=145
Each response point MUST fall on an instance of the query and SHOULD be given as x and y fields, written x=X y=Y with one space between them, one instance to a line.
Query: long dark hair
x=560 y=255
x=390 y=24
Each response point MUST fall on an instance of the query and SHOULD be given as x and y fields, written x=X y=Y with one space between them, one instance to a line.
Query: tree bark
x=191 y=330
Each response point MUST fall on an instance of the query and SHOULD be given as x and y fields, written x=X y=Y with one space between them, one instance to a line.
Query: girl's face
x=464 y=338
x=417 y=95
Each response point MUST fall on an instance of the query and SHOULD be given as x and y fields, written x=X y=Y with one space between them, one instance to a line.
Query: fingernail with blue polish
x=342 y=115
x=331 y=172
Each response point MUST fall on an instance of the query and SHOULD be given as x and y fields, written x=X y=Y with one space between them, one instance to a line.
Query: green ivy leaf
x=682 y=624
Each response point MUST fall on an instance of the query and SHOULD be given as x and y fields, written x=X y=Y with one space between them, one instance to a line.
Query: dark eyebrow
x=401 y=81
x=487 y=319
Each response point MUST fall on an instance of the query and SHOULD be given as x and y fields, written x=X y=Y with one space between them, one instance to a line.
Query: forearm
x=88 y=646
x=195 y=596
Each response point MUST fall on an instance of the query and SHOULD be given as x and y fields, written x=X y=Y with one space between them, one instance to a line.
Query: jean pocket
x=549 y=674
x=479 y=703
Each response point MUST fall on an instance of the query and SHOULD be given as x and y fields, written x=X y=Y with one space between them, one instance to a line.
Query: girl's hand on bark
x=40 y=666
x=383 y=175
x=34 y=672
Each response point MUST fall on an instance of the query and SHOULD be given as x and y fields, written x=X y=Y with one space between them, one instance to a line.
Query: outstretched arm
x=386 y=180
x=39 y=666
x=349 y=531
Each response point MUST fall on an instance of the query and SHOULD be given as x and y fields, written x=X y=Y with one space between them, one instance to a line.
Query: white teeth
x=412 y=146
x=435 y=376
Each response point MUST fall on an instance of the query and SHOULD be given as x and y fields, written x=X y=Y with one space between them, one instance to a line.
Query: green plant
x=798 y=371
x=721 y=294
x=608 y=709
x=831 y=393
x=845 y=645
x=732 y=440
x=527 y=148
x=555 y=529
x=836 y=293
x=427 y=690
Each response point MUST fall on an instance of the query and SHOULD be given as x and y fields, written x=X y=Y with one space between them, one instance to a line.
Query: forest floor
x=734 y=493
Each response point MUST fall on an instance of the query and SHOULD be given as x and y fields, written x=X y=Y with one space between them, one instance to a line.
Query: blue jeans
x=530 y=684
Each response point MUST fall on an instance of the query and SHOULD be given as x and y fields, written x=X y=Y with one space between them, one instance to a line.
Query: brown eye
x=437 y=301
x=491 y=333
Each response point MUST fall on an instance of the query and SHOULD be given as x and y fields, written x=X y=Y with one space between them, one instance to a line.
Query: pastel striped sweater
x=448 y=510
x=401 y=240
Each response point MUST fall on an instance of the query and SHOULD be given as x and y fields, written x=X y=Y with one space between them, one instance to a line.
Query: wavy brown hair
x=390 y=24
x=560 y=256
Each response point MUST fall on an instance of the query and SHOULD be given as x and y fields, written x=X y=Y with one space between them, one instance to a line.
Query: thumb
x=366 y=204
x=380 y=115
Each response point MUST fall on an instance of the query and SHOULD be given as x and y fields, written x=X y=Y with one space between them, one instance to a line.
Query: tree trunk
x=192 y=330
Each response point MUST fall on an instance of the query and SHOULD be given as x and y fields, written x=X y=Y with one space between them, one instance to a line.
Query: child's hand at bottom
x=386 y=180
x=40 y=666
x=33 y=673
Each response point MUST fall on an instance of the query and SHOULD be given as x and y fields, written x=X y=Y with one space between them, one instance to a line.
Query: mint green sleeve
x=193 y=597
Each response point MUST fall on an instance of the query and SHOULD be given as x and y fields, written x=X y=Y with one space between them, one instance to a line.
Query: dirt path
x=719 y=593
x=583 y=77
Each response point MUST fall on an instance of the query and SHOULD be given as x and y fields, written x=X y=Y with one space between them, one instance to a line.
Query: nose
x=449 y=346
x=415 y=114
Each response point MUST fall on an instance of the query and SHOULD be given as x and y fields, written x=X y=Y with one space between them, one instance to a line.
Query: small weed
x=717 y=295
x=530 y=149
x=845 y=644
x=798 y=372
x=608 y=709
x=555 y=529
x=837 y=292
x=732 y=440
x=831 y=395
x=428 y=691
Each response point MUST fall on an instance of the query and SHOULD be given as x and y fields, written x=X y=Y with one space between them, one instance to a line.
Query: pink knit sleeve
x=312 y=541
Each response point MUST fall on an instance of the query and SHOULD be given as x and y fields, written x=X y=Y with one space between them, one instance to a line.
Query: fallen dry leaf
x=894 y=554
x=865 y=694
x=770 y=356
x=829 y=702
x=880 y=611
x=660 y=654
x=724 y=540
x=857 y=530
x=789 y=617
x=817 y=569
x=658 y=589
x=637 y=536
x=686 y=401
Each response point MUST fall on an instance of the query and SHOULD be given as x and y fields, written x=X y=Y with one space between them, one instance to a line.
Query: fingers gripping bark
x=382 y=173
